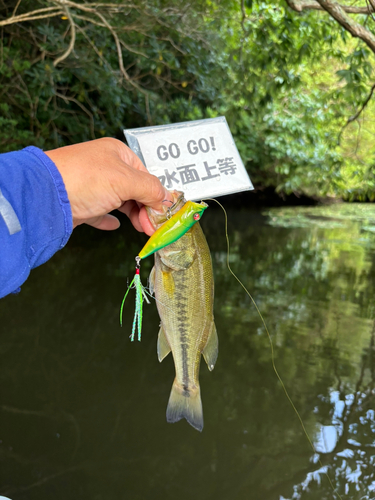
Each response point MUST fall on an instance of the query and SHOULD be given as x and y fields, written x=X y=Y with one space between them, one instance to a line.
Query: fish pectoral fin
x=211 y=349
x=179 y=260
x=151 y=281
x=163 y=346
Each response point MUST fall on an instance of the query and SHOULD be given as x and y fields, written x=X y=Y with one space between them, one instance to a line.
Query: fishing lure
x=173 y=228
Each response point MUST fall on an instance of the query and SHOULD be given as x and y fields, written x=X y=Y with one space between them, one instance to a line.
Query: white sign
x=199 y=157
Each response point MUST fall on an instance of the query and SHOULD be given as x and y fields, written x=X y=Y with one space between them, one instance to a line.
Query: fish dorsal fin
x=163 y=345
x=211 y=350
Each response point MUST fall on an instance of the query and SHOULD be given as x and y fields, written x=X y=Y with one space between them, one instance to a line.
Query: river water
x=82 y=409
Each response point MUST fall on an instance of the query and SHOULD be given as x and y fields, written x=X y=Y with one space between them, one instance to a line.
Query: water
x=82 y=409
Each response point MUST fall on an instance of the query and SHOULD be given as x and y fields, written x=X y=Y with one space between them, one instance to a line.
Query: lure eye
x=196 y=216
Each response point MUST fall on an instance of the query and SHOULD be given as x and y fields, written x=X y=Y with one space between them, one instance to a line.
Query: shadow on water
x=82 y=409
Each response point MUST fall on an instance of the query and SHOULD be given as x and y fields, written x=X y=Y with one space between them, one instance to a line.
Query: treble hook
x=169 y=214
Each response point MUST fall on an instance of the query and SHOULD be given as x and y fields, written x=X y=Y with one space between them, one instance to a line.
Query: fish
x=183 y=285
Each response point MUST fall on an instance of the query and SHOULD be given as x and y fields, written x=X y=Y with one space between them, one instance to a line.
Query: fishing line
x=272 y=350
x=156 y=300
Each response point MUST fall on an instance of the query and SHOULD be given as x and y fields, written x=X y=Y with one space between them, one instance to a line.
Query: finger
x=127 y=207
x=145 y=222
x=106 y=222
x=145 y=188
x=129 y=157
x=130 y=208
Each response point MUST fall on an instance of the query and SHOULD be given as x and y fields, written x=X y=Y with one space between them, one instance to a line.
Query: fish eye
x=197 y=216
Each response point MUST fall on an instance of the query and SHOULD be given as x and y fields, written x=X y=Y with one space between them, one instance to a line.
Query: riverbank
x=268 y=197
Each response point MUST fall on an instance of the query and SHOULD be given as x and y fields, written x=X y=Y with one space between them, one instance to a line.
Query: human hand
x=104 y=175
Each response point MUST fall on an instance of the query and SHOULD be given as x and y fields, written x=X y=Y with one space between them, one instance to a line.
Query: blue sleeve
x=35 y=215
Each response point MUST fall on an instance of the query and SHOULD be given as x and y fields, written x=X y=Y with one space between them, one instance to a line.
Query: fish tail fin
x=185 y=404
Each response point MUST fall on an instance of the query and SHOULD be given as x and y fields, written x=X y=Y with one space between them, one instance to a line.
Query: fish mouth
x=179 y=203
x=158 y=218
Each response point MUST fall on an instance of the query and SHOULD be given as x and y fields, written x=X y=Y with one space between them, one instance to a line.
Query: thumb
x=106 y=222
x=145 y=188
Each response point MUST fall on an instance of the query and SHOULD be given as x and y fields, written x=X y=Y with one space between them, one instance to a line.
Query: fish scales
x=191 y=304
x=182 y=280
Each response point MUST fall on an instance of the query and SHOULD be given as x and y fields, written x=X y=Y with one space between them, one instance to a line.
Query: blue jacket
x=35 y=215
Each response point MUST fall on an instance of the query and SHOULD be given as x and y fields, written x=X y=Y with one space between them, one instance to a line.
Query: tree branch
x=97 y=51
x=60 y=9
x=84 y=109
x=354 y=28
x=119 y=54
x=91 y=7
x=72 y=38
x=300 y=5
x=357 y=114
x=30 y=16
x=243 y=11
x=16 y=7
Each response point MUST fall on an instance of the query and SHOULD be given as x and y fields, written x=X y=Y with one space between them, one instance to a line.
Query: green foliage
x=88 y=95
x=291 y=144
x=305 y=78
x=283 y=130
x=286 y=83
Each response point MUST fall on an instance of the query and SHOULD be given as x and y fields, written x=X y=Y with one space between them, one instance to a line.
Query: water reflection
x=82 y=410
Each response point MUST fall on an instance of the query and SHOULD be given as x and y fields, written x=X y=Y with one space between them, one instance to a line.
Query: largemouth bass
x=182 y=281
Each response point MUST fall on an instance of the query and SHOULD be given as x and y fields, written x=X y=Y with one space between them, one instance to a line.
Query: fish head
x=192 y=211
x=158 y=217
